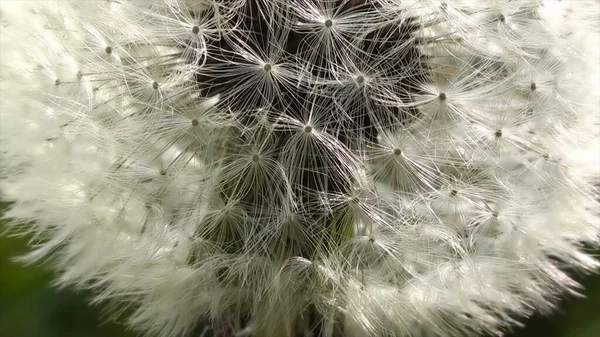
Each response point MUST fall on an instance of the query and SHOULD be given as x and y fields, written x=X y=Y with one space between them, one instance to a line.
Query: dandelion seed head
x=305 y=167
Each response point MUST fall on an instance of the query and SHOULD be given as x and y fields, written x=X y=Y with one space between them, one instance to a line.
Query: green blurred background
x=30 y=307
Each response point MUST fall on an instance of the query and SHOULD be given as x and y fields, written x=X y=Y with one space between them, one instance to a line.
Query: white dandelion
x=287 y=168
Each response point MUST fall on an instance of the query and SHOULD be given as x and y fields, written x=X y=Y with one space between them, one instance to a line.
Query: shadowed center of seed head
x=328 y=23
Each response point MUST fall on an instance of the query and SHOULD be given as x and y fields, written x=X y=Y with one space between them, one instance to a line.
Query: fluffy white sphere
x=320 y=168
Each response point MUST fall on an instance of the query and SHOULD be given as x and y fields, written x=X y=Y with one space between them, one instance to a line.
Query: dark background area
x=31 y=307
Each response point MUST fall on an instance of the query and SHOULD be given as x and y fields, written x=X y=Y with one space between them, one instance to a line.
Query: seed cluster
x=324 y=80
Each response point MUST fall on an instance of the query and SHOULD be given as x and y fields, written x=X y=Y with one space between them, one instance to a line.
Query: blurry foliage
x=31 y=307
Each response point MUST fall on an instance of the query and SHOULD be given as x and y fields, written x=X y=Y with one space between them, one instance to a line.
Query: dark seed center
x=360 y=79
